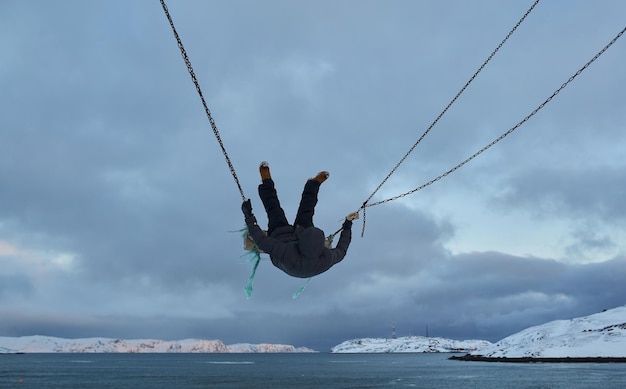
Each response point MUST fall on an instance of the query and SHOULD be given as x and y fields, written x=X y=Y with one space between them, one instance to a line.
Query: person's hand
x=246 y=208
x=352 y=216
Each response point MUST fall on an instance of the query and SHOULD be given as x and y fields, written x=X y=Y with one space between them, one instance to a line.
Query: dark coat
x=299 y=251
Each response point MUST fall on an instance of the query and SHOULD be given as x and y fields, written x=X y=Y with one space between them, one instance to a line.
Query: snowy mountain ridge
x=47 y=344
x=601 y=335
x=409 y=344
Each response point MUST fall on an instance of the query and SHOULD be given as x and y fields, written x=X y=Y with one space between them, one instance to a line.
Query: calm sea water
x=294 y=371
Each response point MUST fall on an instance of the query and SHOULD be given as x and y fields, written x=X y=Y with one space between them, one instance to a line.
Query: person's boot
x=321 y=176
x=264 y=169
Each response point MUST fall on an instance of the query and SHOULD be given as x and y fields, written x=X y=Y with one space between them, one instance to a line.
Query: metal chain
x=451 y=102
x=183 y=52
x=556 y=92
x=480 y=68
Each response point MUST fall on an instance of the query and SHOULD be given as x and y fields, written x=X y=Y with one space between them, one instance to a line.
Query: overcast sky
x=117 y=208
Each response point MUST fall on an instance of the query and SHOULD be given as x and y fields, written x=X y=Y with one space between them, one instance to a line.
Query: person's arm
x=262 y=241
x=259 y=237
x=340 y=251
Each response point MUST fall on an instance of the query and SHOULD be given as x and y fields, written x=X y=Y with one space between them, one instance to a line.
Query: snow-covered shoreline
x=48 y=344
x=409 y=344
x=600 y=337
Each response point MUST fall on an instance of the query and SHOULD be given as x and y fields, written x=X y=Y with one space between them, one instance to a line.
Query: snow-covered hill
x=599 y=335
x=409 y=344
x=47 y=344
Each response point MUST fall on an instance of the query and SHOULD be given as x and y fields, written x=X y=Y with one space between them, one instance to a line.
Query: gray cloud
x=595 y=191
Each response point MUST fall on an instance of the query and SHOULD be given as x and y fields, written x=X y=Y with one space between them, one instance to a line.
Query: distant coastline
x=480 y=358
x=48 y=344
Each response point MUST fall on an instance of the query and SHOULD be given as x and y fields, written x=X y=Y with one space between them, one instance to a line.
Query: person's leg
x=304 y=217
x=275 y=214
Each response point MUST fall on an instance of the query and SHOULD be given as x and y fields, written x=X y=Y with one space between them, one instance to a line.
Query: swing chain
x=493 y=53
x=504 y=135
x=183 y=52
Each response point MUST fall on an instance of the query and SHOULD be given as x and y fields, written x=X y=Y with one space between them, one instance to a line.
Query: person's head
x=311 y=242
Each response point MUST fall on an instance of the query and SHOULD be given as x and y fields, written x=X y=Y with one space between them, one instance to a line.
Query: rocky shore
x=480 y=358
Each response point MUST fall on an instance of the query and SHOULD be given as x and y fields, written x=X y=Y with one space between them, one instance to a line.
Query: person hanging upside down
x=299 y=249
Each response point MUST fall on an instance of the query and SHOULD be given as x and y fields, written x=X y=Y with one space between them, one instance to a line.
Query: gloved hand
x=352 y=216
x=246 y=208
x=348 y=222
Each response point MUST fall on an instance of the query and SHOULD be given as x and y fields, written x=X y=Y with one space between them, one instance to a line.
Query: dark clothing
x=297 y=249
